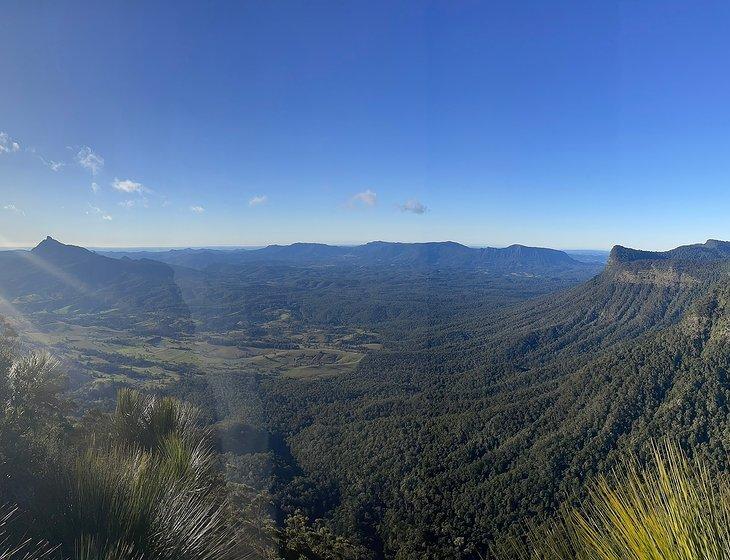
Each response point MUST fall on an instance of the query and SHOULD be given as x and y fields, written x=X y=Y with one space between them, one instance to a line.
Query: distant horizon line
x=20 y=247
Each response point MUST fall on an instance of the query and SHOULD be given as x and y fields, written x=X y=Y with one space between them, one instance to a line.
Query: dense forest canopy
x=411 y=404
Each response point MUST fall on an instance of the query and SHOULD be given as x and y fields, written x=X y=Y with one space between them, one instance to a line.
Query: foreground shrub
x=150 y=491
x=669 y=509
x=13 y=547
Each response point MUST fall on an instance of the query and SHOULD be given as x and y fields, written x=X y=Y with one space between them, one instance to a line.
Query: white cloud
x=258 y=200
x=88 y=159
x=197 y=209
x=14 y=209
x=95 y=188
x=366 y=198
x=7 y=144
x=127 y=203
x=413 y=206
x=54 y=165
x=96 y=211
x=51 y=164
x=128 y=186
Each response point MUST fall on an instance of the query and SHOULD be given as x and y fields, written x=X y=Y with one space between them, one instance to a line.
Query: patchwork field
x=99 y=360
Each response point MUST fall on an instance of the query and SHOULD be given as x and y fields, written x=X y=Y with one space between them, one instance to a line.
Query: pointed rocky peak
x=721 y=247
x=50 y=249
x=46 y=244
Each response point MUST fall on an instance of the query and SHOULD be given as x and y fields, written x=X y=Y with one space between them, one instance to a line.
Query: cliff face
x=710 y=251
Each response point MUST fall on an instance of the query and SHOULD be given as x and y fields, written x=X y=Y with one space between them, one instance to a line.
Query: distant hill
x=88 y=286
x=512 y=259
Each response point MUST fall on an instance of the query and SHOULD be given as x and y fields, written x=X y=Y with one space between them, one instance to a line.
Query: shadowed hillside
x=90 y=288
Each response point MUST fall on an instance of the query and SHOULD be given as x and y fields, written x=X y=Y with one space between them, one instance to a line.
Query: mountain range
x=711 y=250
x=512 y=259
x=156 y=290
x=494 y=392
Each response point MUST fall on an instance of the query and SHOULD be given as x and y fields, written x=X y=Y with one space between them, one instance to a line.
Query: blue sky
x=564 y=124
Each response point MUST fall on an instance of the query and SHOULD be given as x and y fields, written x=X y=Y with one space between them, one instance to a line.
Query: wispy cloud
x=258 y=200
x=127 y=203
x=14 y=209
x=96 y=211
x=88 y=159
x=413 y=206
x=52 y=165
x=7 y=144
x=95 y=188
x=129 y=186
x=197 y=209
x=364 y=198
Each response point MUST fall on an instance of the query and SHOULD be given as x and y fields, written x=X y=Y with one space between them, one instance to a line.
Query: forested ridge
x=515 y=258
x=436 y=452
x=381 y=411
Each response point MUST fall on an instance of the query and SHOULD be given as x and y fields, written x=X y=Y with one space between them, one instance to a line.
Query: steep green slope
x=437 y=452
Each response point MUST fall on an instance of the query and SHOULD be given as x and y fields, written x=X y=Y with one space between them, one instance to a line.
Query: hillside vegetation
x=671 y=508
x=433 y=453
x=386 y=410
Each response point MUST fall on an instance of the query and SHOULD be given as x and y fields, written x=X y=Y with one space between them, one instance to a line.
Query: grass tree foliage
x=141 y=483
x=669 y=509
x=151 y=490
x=144 y=484
x=13 y=548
